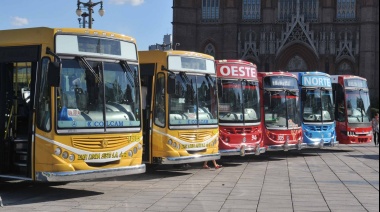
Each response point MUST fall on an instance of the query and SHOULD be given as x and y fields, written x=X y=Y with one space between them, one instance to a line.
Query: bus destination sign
x=237 y=71
x=357 y=83
x=316 y=81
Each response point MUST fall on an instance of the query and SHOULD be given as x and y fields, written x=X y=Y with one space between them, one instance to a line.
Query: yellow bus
x=180 y=107
x=70 y=105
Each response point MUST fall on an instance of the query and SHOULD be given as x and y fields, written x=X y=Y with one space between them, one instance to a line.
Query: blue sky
x=145 y=20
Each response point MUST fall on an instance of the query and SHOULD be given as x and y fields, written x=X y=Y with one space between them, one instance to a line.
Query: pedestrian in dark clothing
x=375 y=129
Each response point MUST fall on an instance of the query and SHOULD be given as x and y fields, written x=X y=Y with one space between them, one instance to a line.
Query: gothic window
x=210 y=50
x=251 y=10
x=344 y=68
x=210 y=10
x=307 y=8
x=345 y=9
x=297 y=63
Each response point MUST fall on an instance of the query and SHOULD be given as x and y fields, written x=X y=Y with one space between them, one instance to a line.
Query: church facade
x=332 y=36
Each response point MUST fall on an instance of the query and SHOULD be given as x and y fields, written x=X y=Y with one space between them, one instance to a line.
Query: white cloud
x=18 y=21
x=132 y=2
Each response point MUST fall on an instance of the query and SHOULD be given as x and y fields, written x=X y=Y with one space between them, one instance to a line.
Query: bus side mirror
x=171 y=83
x=54 y=74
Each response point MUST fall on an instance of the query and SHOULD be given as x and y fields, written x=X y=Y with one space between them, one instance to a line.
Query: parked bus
x=181 y=111
x=352 y=109
x=70 y=105
x=317 y=109
x=280 y=109
x=240 y=130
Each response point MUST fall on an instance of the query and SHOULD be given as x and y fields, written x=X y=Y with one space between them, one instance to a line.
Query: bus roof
x=314 y=73
x=237 y=69
x=278 y=73
x=44 y=35
x=242 y=62
x=179 y=61
x=163 y=54
x=335 y=78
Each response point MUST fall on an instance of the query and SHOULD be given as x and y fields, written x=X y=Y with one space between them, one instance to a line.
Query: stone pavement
x=342 y=179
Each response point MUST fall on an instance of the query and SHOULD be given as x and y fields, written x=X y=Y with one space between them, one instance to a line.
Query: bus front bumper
x=286 y=147
x=242 y=151
x=189 y=159
x=88 y=174
x=321 y=145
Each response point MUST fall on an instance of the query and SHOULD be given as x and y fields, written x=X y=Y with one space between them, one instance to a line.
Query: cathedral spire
x=298 y=7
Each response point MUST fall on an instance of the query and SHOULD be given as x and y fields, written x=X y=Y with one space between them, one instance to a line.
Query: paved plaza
x=344 y=179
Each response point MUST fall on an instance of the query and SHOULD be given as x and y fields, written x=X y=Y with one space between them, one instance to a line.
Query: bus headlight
x=57 y=151
x=135 y=150
x=65 y=155
x=140 y=146
x=174 y=145
x=71 y=158
x=170 y=142
x=130 y=153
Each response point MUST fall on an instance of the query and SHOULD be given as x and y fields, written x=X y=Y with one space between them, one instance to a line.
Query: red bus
x=240 y=130
x=352 y=109
x=281 y=110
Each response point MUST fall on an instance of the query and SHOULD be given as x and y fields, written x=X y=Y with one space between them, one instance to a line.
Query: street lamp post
x=83 y=20
x=89 y=5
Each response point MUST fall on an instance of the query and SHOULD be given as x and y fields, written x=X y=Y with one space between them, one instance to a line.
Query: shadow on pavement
x=158 y=172
x=15 y=193
x=371 y=157
x=326 y=150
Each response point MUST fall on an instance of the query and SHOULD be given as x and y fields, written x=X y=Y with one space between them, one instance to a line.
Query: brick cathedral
x=332 y=36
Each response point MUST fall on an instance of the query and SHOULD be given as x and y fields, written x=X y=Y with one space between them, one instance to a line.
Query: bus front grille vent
x=195 y=136
x=318 y=128
x=99 y=165
x=100 y=143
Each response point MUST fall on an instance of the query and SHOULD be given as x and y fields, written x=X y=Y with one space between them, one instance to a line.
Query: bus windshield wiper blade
x=293 y=93
x=85 y=62
x=126 y=67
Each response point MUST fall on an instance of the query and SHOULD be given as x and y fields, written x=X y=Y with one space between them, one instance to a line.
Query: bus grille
x=240 y=130
x=318 y=128
x=100 y=143
x=195 y=136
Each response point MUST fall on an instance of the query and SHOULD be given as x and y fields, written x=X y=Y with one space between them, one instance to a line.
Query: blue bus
x=317 y=109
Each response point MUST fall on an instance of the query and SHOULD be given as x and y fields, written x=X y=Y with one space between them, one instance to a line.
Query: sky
x=145 y=20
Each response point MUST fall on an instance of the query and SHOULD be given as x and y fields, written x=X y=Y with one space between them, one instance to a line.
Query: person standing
x=217 y=166
x=375 y=129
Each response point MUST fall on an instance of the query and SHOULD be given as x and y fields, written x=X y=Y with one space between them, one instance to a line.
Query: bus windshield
x=194 y=101
x=317 y=105
x=281 y=109
x=98 y=95
x=239 y=101
x=358 y=106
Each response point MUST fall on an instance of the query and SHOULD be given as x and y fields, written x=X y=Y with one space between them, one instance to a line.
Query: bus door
x=146 y=79
x=17 y=77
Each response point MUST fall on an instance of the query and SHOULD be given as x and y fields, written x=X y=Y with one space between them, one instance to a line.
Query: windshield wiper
x=126 y=68
x=209 y=79
x=293 y=93
x=88 y=66
x=184 y=77
x=361 y=106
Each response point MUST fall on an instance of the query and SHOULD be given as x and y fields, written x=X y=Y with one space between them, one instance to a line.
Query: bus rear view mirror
x=171 y=83
x=54 y=74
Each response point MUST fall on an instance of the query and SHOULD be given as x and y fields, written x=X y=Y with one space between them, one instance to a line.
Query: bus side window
x=159 y=109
